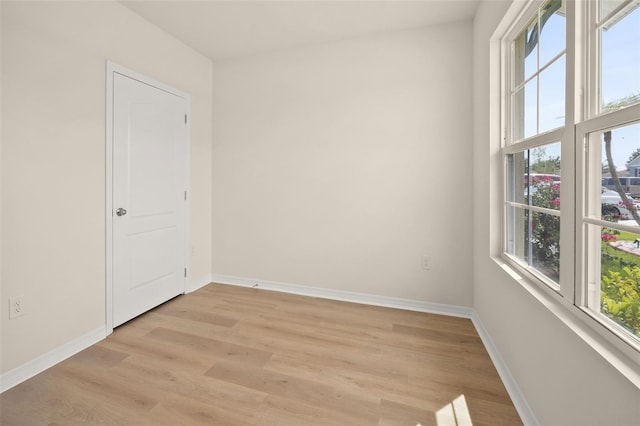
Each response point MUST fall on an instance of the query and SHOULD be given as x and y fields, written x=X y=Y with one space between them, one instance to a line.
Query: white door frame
x=113 y=68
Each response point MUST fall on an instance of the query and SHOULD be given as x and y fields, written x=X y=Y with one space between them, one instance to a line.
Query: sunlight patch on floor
x=455 y=413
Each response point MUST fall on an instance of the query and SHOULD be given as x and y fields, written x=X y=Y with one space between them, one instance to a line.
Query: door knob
x=121 y=212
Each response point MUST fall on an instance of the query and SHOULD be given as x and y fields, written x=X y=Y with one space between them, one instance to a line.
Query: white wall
x=339 y=166
x=53 y=160
x=563 y=379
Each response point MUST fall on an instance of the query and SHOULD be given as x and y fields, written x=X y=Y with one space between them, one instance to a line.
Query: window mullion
x=591 y=60
x=535 y=141
x=537 y=74
x=569 y=147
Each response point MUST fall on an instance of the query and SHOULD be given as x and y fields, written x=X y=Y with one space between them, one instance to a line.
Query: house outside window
x=634 y=166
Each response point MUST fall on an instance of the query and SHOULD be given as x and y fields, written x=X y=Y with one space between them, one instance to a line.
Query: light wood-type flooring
x=227 y=355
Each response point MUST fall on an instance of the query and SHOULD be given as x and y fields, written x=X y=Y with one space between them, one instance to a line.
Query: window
x=536 y=111
x=571 y=133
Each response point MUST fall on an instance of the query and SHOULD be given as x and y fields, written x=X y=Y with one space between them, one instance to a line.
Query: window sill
x=619 y=354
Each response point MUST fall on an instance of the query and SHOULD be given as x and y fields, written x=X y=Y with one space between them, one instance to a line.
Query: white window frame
x=582 y=99
x=564 y=135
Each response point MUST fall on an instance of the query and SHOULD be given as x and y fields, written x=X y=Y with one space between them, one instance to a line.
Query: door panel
x=149 y=180
x=152 y=159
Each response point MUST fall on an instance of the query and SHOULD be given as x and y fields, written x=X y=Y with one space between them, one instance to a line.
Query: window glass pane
x=552 y=31
x=534 y=238
x=525 y=52
x=545 y=241
x=616 y=294
x=544 y=176
x=518 y=231
x=517 y=177
x=620 y=66
x=614 y=209
x=610 y=186
x=621 y=152
x=525 y=104
x=552 y=85
x=544 y=192
x=533 y=177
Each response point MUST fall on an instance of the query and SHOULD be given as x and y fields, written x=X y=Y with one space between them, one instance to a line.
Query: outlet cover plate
x=17 y=308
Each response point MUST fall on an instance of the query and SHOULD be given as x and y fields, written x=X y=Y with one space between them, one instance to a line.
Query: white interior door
x=149 y=192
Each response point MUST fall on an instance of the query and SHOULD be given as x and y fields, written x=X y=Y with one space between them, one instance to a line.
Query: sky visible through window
x=620 y=78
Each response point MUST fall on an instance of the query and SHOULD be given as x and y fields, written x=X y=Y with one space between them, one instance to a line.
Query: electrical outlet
x=426 y=262
x=17 y=307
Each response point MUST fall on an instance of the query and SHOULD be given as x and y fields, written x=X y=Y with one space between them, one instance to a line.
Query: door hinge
x=185 y=195
x=185 y=272
x=185 y=119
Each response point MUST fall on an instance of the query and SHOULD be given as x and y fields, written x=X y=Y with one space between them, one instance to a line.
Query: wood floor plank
x=180 y=410
x=215 y=348
x=396 y=414
x=280 y=411
x=186 y=311
x=357 y=406
x=229 y=356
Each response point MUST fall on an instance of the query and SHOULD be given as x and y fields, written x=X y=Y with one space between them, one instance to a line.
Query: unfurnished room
x=320 y=212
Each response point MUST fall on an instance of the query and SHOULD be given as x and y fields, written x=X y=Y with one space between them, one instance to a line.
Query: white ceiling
x=222 y=29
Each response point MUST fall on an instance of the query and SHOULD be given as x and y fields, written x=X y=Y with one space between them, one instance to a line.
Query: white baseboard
x=524 y=410
x=347 y=296
x=197 y=284
x=24 y=372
